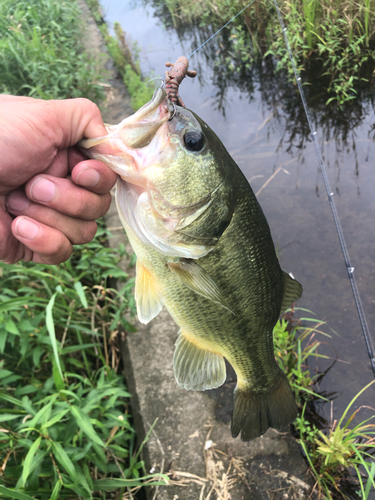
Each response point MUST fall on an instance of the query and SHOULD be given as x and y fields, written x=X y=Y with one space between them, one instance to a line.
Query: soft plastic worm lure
x=174 y=77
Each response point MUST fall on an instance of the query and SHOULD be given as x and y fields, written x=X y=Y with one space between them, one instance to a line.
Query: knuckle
x=66 y=255
x=61 y=255
x=90 y=232
x=7 y=259
x=55 y=248
x=106 y=203
x=89 y=106
x=59 y=249
x=86 y=233
x=80 y=205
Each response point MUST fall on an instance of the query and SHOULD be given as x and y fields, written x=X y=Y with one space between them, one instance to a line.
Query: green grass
x=296 y=341
x=65 y=421
x=341 y=455
x=65 y=424
x=331 y=40
x=42 y=53
x=126 y=59
x=125 y=56
x=338 y=456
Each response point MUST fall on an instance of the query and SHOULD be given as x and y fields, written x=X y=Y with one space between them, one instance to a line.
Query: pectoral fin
x=195 y=368
x=197 y=279
x=292 y=292
x=147 y=295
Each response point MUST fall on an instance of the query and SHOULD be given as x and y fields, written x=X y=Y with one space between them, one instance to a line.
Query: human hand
x=52 y=190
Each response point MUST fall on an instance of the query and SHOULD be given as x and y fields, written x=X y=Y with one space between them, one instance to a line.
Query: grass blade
x=6 y=417
x=64 y=460
x=370 y=481
x=29 y=458
x=10 y=305
x=113 y=484
x=51 y=330
x=10 y=399
x=7 y=493
x=56 y=491
x=81 y=293
x=85 y=425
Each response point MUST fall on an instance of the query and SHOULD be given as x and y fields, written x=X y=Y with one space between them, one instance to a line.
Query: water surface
x=259 y=117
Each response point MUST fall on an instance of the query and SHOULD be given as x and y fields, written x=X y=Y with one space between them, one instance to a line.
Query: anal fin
x=196 y=368
x=147 y=295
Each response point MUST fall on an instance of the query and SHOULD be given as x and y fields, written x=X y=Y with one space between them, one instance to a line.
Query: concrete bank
x=191 y=439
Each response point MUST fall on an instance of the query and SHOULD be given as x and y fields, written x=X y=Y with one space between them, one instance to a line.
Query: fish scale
x=205 y=252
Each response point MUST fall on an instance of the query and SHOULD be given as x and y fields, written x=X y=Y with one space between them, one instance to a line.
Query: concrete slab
x=191 y=439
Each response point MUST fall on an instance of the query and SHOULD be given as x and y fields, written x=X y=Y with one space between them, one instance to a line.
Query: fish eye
x=194 y=140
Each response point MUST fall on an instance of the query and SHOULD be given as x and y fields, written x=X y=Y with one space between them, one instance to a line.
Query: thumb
x=75 y=119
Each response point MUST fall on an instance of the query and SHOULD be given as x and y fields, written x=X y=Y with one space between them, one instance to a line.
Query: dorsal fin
x=148 y=297
x=292 y=292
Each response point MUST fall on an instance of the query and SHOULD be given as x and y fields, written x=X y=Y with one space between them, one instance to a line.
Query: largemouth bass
x=204 y=251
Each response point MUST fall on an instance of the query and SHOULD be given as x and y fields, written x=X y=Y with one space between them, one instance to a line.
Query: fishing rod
x=344 y=248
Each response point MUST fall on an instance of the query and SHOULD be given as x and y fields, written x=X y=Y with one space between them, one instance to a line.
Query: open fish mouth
x=122 y=148
x=138 y=142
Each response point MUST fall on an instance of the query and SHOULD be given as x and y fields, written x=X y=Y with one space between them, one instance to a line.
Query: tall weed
x=332 y=40
x=125 y=56
x=42 y=53
x=65 y=425
x=339 y=457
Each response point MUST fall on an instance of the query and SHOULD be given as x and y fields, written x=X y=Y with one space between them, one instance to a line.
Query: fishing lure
x=174 y=77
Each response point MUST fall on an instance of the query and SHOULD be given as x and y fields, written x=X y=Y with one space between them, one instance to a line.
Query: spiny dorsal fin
x=292 y=292
x=195 y=368
x=147 y=295
x=197 y=279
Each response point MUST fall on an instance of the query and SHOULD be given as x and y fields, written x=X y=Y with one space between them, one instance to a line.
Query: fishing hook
x=158 y=78
x=174 y=111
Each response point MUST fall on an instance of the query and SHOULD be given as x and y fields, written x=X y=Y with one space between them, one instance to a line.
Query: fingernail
x=17 y=201
x=42 y=190
x=26 y=228
x=88 y=177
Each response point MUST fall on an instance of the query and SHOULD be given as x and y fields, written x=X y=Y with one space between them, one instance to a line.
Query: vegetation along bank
x=65 y=420
x=331 y=40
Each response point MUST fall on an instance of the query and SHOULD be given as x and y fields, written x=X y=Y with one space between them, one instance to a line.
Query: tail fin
x=255 y=411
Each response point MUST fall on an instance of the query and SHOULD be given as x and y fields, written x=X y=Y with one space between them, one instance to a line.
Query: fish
x=205 y=252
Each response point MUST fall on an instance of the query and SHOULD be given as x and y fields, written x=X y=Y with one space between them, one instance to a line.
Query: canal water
x=259 y=117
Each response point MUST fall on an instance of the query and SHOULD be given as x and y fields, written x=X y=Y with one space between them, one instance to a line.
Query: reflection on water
x=260 y=118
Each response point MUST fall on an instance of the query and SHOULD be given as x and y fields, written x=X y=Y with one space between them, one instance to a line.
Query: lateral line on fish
x=348 y=264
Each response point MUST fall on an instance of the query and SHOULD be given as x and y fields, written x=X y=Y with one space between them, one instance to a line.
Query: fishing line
x=225 y=25
x=348 y=264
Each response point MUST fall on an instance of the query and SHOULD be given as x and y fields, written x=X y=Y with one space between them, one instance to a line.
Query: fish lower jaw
x=135 y=180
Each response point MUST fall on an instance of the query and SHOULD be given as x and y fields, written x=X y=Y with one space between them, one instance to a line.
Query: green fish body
x=205 y=251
